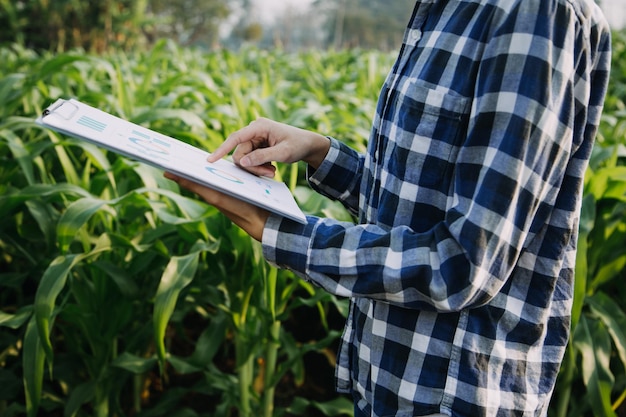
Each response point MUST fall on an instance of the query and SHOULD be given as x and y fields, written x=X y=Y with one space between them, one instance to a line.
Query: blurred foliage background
x=125 y=24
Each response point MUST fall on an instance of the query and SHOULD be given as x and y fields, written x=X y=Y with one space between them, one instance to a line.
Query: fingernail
x=245 y=161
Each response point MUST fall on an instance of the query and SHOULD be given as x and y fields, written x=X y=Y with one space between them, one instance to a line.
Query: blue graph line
x=91 y=123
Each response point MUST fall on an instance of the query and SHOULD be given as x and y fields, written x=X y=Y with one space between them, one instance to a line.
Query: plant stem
x=619 y=401
x=270 y=367
x=293 y=177
x=246 y=374
x=137 y=387
x=101 y=405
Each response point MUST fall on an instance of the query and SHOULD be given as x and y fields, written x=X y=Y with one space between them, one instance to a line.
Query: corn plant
x=105 y=263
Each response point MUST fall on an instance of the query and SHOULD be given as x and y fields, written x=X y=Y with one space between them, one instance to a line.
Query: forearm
x=249 y=217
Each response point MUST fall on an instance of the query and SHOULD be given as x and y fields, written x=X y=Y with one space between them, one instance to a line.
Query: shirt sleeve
x=338 y=177
x=519 y=162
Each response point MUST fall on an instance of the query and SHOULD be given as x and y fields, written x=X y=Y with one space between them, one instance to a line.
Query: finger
x=171 y=176
x=255 y=165
x=185 y=183
x=255 y=130
x=224 y=149
x=241 y=151
x=258 y=157
x=265 y=170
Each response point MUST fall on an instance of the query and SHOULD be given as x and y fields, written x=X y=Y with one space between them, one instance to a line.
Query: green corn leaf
x=10 y=85
x=610 y=270
x=9 y=202
x=64 y=158
x=298 y=406
x=192 y=209
x=587 y=214
x=613 y=317
x=81 y=394
x=80 y=211
x=592 y=340
x=295 y=352
x=120 y=276
x=152 y=177
x=617 y=182
x=124 y=87
x=15 y=321
x=183 y=366
x=74 y=218
x=99 y=158
x=52 y=282
x=55 y=64
x=20 y=153
x=133 y=363
x=210 y=341
x=45 y=217
x=33 y=358
x=587 y=221
x=177 y=275
x=340 y=406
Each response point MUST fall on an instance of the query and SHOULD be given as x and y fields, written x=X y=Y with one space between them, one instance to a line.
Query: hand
x=265 y=141
x=245 y=215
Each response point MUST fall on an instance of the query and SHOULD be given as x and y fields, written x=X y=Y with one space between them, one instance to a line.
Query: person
x=460 y=267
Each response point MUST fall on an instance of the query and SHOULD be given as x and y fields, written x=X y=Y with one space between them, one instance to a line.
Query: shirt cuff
x=316 y=176
x=286 y=243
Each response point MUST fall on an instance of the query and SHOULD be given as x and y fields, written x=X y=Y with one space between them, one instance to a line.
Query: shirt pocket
x=431 y=125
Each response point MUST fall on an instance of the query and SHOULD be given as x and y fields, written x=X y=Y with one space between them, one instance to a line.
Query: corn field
x=121 y=295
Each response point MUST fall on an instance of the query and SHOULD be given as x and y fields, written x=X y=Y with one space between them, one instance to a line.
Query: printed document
x=76 y=119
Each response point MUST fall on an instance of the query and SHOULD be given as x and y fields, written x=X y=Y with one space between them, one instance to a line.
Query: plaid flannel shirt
x=461 y=268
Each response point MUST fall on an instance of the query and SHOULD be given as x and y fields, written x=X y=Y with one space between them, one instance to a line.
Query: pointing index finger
x=246 y=134
x=228 y=145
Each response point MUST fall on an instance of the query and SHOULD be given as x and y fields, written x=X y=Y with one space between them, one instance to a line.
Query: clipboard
x=76 y=119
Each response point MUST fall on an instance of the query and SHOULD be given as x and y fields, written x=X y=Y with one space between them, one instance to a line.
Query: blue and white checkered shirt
x=461 y=268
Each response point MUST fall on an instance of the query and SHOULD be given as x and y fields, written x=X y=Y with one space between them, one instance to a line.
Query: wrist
x=319 y=146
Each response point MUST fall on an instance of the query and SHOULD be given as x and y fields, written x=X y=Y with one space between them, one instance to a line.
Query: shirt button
x=415 y=35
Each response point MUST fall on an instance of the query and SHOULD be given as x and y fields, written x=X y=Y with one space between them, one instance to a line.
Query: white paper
x=81 y=121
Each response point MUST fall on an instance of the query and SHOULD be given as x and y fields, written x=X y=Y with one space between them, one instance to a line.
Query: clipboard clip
x=65 y=109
